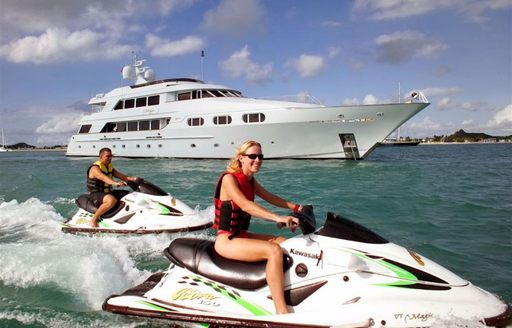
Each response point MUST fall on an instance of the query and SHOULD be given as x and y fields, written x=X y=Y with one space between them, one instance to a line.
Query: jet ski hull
x=146 y=210
x=342 y=275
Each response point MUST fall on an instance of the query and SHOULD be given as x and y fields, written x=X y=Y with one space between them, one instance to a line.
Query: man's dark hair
x=104 y=149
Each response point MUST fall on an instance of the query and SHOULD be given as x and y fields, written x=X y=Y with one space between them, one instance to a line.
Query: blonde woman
x=234 y=207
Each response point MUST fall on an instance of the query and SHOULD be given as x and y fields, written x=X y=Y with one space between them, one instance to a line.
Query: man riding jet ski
x=341 y=275
x=147 y=209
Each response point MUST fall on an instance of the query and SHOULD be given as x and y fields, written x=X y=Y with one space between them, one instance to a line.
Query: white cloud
x=234 y=17
x=307 y=65
x=388 y=10
x=350 y=102
x=240 y=64
x=57 y=45
x=502 y=120
x=370 y=100
x=474 y=10
x=473 y=106
x=427 y=128
x=165 y=48
x=332 y=23
x=404 y=45
x=440 y=92
x=60 y=123
x=444 y=103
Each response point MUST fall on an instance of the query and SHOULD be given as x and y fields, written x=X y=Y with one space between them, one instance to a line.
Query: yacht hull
x=301 y=132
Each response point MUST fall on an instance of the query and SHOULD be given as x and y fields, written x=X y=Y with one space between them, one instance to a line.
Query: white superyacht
x=187 y=118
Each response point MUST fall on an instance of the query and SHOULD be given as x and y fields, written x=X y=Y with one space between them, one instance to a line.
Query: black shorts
x=97 y=197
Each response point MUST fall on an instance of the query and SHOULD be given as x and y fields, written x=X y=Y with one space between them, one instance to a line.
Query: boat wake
x=85 y=269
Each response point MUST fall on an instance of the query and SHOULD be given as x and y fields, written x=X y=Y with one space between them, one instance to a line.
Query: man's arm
x=120 y=175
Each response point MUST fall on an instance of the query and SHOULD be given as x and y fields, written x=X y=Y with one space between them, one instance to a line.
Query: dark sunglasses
x=254 y=156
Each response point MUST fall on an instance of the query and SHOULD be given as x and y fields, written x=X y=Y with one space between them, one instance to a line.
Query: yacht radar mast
x=137 y=72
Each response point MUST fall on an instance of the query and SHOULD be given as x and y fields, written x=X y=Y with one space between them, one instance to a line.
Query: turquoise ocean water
x=450 y=203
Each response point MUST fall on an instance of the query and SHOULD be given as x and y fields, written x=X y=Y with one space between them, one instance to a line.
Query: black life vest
x=95 y=185
x=228 y=215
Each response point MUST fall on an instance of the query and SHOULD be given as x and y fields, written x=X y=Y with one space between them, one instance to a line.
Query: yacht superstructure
x=187 y=118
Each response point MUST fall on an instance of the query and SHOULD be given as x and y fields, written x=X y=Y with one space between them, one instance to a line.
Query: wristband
x=296 y=208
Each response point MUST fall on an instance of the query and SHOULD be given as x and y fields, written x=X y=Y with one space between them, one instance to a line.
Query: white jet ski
x=147 y=209
x=342 y=275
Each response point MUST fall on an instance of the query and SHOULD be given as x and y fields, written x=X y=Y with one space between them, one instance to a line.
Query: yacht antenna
x=202 y=60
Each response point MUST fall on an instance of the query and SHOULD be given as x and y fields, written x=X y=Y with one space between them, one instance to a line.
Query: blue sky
x=56 y=54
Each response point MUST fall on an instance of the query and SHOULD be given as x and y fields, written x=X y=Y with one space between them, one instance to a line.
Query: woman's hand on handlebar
x=288 y=221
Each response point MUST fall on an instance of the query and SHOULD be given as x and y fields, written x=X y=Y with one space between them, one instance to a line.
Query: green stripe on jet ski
x=153 y=306
x=249 y=306
x=164 y=209
x=406 y=277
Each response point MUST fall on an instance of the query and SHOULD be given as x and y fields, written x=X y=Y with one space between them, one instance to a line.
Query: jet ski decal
x=408 y=277
x=153 y=306
x=228 y=293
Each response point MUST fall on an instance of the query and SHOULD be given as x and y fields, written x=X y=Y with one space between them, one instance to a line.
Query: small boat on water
x=187 y=118
x=3 y=147
x=390 y=142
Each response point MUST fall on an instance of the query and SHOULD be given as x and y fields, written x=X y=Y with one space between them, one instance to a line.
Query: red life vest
x=228 y=215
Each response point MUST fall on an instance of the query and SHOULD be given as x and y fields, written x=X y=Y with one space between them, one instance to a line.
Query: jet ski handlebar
x=307 y=220
x=146 y=187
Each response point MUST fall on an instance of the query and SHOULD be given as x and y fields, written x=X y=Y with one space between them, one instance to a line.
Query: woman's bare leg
x=254 y=249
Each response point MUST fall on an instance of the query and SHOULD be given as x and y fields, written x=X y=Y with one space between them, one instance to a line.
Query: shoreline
x=465 y=143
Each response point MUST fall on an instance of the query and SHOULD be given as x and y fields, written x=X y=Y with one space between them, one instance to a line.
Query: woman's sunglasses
x=254 y=156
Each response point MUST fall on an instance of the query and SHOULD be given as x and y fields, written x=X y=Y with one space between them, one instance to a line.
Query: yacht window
x=155 y=124
x=164 y=122
x=184 y=96
x=85 y=128
x=129 y=103
x=216 y=93
x=195 y=121
x=207 y=94
x=133 y=126
x=153 y=100
x=119 y=105
x=222 y=120
x=141 y=102
x=143 y=125
x=253 y=118
x=196 y=94
x=121 y=126
x=109 y=127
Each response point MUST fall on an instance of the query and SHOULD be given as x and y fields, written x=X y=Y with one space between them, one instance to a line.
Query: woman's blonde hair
x=234 y=165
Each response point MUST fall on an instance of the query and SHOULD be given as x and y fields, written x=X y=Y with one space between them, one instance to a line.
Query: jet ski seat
x=199 y=256
x=85 y=202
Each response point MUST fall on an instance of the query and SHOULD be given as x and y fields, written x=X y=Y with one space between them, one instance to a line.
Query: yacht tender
x=187 y=118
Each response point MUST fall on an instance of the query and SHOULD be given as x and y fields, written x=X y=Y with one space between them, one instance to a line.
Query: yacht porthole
x=216 y=145
x=138 y=146
x=123 y=146
x=79 y=147
x=159 y=145
x=193 y=145
x=148 y=145
x=93 y=146
x=113 y=146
